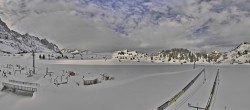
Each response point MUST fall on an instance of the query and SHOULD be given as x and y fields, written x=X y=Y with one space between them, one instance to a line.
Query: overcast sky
x=60 y=22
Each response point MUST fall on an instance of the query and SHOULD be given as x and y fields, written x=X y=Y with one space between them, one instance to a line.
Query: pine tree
x=192 y=58
x=169 y=59
x=40 y=57
x=43 y=57
x=182 y=57
x=49 y=56
x=239 y=53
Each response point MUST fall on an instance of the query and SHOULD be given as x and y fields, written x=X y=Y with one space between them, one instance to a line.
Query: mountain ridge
x=240 y=54
x=14 y=42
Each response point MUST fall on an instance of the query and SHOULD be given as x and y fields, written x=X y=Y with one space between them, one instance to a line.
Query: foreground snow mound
x=138 y=94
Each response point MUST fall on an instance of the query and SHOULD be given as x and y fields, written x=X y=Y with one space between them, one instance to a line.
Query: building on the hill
x=128 y=55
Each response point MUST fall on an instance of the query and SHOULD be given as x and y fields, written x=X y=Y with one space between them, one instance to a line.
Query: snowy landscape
x=124 y=54
x=135 y=87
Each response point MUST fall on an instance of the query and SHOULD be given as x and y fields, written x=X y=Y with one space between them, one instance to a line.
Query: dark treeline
x=185 y=54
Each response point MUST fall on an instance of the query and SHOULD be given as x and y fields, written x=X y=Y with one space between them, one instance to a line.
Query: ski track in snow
x=153 y=75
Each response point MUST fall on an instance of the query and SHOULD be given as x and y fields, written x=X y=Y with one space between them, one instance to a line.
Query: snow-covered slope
x=241 y=54
x=13 y=42
x=70 y=51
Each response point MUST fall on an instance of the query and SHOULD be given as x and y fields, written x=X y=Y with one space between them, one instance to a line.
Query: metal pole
x=33 y=54
x=194 y=62
x=205 y=79
x=212 y=94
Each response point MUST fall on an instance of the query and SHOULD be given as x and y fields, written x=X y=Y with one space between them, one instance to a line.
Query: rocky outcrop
x=14 y=42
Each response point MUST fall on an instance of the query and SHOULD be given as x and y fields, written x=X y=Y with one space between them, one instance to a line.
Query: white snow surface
x=137 y=86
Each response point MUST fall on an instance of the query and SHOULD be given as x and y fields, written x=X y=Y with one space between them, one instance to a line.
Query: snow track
x=153 y=75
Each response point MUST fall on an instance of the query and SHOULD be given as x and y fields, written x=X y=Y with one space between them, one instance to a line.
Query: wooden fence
x=179 y=94
x=25 y=83
x=17 y=87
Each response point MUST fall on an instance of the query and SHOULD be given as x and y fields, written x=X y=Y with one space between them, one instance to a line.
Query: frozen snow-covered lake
x=136 y=87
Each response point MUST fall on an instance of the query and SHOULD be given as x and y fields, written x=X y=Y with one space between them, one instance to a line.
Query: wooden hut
x=91 y=81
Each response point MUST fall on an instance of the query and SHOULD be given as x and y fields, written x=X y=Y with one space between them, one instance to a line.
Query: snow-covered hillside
x=176 y=55
x=76 y=51
x=13 y=42
x=241 y=54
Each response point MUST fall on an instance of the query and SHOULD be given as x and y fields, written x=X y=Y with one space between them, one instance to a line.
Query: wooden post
x=87 y=54
x=81 y=56
x=205 y=79
x=47 y=71
x=56 y=81
x=194 y=62
x=62 y=76
x=83 y=79
x=67 y=78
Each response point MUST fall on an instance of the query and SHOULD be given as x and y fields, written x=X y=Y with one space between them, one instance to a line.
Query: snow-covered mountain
x=75 y=51
x=241 y=54
x=68 y=50
x=13 y=42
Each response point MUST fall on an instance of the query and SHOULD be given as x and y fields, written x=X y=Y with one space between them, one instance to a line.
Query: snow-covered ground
x=137 y=86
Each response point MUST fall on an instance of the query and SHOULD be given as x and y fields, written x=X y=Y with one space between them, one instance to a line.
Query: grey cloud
x=73 y=32
x=58 y=21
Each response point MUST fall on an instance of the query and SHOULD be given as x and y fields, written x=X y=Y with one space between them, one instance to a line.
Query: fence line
x=25 y=83
x=213 y=93
x=29 y=89
x=179 y=94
